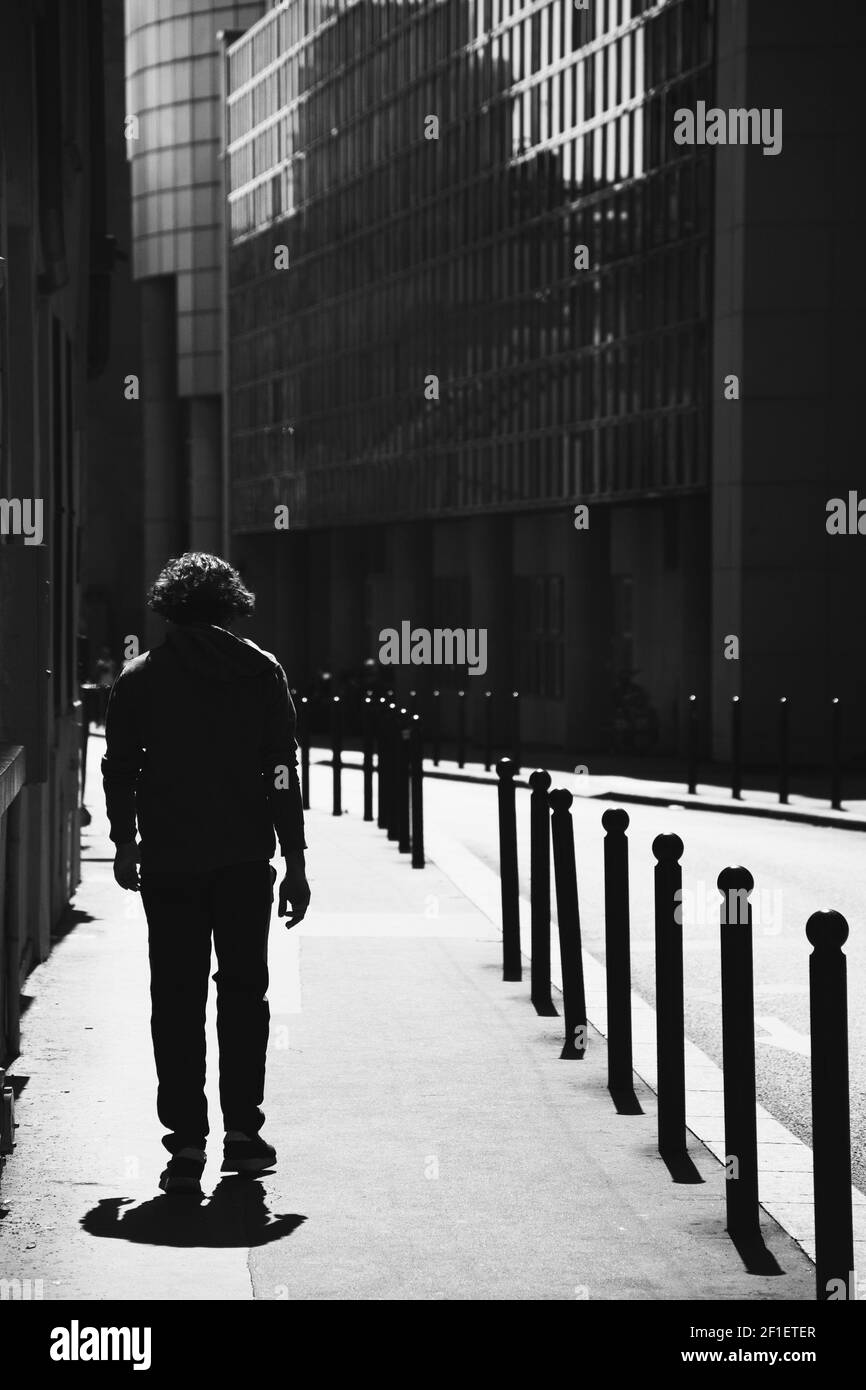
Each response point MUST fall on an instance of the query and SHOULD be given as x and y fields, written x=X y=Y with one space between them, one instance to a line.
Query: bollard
x=568 y=918
x=512 y=966
x=692 y=745
x=382 y=762
x=670 y=1021
x=304 y=740
x=461 y=728
x=617 y=954
x=404 y=841
x=515 y=729
x=412 y=702
x=783 y=750
x=738 y=1056
x=736 y=749
x=831 y=1119
x=836 y=755
x=416 y=764
x=337 y=755
x=392 y=779
x=435 y=727
x=539 y=891
x=368 y=735
x=488 y=730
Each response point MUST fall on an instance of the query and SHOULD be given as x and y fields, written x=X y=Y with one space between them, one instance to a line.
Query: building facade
x=173 y=128
x=111 y=560
x=55 y=265
x=475 y=283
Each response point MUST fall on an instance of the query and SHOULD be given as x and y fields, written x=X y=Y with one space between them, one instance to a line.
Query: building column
x=588 y=625
x=408 y=596
x=488 y=553
x=162 y=455
x=205 y=473
x=346 y=618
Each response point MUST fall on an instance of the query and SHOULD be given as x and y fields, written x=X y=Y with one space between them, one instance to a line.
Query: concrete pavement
x=432 y=1143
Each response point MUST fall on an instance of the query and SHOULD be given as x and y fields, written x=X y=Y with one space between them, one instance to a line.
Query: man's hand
x=126 y=866
x=294 y=890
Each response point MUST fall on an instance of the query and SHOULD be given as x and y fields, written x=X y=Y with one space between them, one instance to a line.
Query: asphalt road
x=798 y=869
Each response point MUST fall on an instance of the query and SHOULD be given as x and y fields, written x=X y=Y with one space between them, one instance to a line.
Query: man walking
x=201 y=755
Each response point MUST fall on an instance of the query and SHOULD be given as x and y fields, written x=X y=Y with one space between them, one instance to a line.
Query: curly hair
x=200 y=588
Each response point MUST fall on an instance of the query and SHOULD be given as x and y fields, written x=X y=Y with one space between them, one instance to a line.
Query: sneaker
x=244 y=1155
x=182 y=1177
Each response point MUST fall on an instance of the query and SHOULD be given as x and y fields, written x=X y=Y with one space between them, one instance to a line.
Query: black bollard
x=337 y=753
x=368 y=735
x=304 y=741
x=539 y=890
x=831 y=1117
x=382 y=761
x=404 y=838
x=670 y=1020
x=435 y=727
x=617 y=957
x=736 y=748
x=692 y=745
x=416 y=757
x=515 y=729
x=461 y=728
x=488 y=730
x=738 y=1056
x=392 y=781
x=836 y=755
x=783 y=750
x=568 y=918
x=512 y=966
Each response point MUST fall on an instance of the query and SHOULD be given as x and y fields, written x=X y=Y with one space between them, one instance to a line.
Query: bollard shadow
x=756 y=1258
x=545 y=1010
x=234 y=1216
x=625 y=1101
x=681 y=1167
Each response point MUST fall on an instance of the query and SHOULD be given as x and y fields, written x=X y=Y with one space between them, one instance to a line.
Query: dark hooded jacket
x=201 y=753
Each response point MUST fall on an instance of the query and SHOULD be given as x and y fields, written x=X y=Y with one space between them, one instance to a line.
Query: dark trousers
x=183 y=910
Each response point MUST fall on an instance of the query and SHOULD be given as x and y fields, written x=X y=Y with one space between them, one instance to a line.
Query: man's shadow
x=235 y=1215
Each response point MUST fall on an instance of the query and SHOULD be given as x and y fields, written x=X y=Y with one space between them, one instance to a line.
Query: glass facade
x=413 y=330
x=173 y=92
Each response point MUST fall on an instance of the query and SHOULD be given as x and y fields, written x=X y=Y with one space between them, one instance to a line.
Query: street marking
x=782 y=1035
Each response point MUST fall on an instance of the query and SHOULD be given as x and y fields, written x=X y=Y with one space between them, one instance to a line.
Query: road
x=798 y=869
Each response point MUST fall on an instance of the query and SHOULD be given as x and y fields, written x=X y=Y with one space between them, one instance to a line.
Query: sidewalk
x=432 y=1143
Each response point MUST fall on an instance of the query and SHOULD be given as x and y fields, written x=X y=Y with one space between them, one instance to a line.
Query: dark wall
x=111 y=568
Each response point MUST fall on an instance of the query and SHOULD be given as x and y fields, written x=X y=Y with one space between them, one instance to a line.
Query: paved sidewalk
x=432 y=1143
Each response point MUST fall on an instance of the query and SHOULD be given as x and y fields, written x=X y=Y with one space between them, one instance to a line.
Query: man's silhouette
x=201 y=755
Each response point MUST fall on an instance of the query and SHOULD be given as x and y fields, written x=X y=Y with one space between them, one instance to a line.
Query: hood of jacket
x=213 y=653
